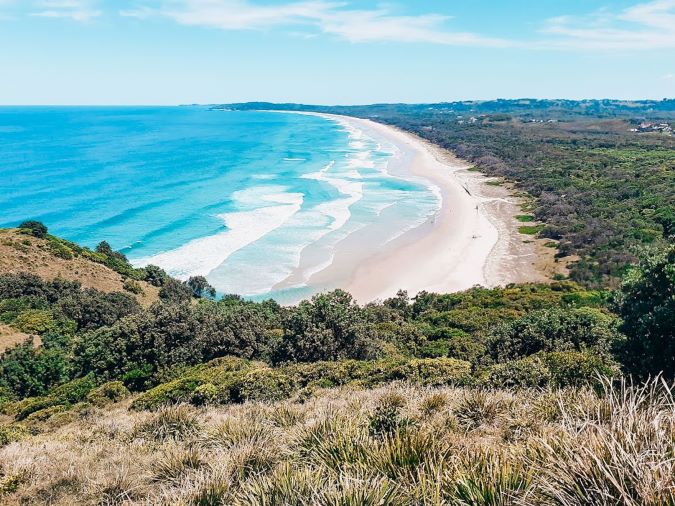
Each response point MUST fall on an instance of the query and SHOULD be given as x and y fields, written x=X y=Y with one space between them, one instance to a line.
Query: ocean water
x=238 y=197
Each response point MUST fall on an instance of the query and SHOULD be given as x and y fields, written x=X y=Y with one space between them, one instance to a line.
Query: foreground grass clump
x=394 y=445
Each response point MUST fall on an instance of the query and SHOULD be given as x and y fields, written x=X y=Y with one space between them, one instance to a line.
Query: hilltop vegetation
x=602 y=190
x=201 y=401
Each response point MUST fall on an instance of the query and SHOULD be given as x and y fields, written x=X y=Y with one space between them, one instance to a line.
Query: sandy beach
x=471 y=240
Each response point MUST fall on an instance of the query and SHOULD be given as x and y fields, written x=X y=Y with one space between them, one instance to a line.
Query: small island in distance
x=548 y=382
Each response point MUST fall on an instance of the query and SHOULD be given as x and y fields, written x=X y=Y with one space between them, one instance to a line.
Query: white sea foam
x=201 y=256
x=347 y=185
x=281 y=229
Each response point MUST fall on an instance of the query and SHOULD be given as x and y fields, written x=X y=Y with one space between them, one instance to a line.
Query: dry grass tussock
x=396 y=445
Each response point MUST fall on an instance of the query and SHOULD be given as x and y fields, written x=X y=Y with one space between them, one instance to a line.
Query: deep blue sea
x=234 y=196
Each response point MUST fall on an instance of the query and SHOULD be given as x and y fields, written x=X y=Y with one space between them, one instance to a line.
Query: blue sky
x=325 y=51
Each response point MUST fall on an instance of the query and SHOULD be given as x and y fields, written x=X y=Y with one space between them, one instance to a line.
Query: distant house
x=648 y=126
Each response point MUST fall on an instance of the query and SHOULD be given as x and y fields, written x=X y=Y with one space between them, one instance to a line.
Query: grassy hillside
x=392 y=445
x=52 y=258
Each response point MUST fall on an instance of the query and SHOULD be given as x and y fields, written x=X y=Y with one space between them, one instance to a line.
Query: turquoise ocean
x=235 y=196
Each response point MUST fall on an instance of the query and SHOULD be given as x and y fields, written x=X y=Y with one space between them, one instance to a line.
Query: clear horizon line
x=361 y=104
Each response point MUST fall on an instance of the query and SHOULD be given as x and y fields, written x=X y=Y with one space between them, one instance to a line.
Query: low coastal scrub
x=392 y=445
x=226 y=381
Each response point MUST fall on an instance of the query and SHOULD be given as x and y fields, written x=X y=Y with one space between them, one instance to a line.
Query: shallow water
x=234 y=196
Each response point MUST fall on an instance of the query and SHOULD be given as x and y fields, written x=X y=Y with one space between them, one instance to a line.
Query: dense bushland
x=519 y=336
x=110 y=337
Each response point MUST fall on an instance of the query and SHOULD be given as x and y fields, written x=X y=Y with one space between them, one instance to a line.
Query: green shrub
x=574 y=329
x=435 y=349
x=42 y=415
x=132 y=286
x=60 y=249
x=466 y=348
x=190 y=386
x=205 y=394
x=113 y=391
x=74 y=391
x=433 y=372
x=332 y=374
x=34 y=321
x=235 y=380
x=572 y=368
x=173 y=392
x=263 y=385
x=6 y=396
x=23 y=409
x=524 y=373
x=10 y=308
x=64 y=395
x=36 y=228
x=138 y=378
x=11 y=433
x=531 y=229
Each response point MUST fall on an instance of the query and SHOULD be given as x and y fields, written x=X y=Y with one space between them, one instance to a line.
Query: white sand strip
x=469 y=241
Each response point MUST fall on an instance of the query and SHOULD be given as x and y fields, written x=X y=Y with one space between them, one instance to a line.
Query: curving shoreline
x=472 y=239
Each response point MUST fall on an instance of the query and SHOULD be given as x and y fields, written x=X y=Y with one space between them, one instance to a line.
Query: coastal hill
x=437 y=399
x=52 y=258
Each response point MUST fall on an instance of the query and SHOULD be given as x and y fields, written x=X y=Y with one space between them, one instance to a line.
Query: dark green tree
x=27 y=371
x=330 y=326
x=646 y=302
x=91 y=309
x=37 y=228
x=200 y=287
x=554 y=329
x=174 y=291
x=105 y=249
x=154 y=275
